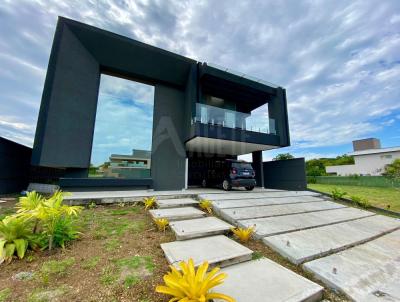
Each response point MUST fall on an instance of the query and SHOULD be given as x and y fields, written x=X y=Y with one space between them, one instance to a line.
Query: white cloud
x=338 y=60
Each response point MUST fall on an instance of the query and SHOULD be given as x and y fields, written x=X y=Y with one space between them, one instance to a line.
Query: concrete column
x=258 y=167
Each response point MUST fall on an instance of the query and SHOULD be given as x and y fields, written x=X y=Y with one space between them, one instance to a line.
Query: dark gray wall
x=68 y=109
x=168 y=153
x=285 y=174
x=14 y=166
x=277 y=109
x=258 y=167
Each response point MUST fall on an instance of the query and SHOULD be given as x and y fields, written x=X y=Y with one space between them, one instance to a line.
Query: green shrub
x=338 y=194
x=15 y=235
x=312 y=180
x=39 y=222
x=360 y=201
x=53 y=217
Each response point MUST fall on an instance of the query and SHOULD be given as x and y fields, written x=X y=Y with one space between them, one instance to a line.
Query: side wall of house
x=14 y=166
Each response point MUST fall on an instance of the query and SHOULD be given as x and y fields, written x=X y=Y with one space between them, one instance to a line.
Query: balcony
x=217 y=130
x=258 y=121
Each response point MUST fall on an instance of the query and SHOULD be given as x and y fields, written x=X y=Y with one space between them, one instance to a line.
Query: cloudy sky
x=338 y=60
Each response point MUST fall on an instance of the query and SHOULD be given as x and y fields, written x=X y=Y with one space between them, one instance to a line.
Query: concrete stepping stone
x=264 y=201
x=367 y=272
x=217 y=250
x=173 y=214
x=201 y=227
x=176 y=202
x=265 y=280
x=235 y=214
x=248 y=195
x=310 y=244
x=283 y=224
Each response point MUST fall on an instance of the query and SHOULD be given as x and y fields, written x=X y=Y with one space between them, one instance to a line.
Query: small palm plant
x=14 y=237
x=243 y=234
x=56 y=219
x=206 y=205
x=192 y=285
x=161 y=223
x=149 y=202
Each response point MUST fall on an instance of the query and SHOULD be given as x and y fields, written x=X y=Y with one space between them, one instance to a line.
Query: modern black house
x=200 y=110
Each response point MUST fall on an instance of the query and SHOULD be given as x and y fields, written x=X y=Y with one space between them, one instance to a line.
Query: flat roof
x=374 y=151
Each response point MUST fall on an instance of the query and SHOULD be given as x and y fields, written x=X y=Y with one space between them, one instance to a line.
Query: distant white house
x=369 y=159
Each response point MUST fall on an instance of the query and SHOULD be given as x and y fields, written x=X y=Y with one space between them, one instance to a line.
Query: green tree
x=315 y=167
x=283 y=156
x=392 y=171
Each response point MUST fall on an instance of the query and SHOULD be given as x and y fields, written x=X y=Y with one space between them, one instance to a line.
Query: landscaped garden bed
x=117 y=258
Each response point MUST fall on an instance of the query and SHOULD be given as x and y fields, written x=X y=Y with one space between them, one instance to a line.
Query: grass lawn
x=117 y=258
x=377 y=196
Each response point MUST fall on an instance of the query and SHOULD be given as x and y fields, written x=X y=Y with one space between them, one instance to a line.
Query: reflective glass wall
x=123 y=130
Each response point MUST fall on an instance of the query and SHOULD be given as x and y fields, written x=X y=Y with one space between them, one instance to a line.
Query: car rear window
x=242 y=166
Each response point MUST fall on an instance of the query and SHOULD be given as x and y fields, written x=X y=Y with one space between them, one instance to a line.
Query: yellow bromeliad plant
x=243 y=234
x=161 y=223
x=206 y=205
x=149 y=202
x=190 y=285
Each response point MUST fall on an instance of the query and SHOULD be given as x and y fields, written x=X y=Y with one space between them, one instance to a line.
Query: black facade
x=287 y=174
x=14 y=166
x=198 y=108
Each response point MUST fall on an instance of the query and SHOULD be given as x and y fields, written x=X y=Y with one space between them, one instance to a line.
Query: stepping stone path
x=248 y=281
x=264 y=280
x=368 y=272
x=296 y=222
x=202 y=227
x=310 y=244
x=217 y=250
x=235 y=214
x=176 y=202
x=354 y=251
x=180 y=213
x=264 y=201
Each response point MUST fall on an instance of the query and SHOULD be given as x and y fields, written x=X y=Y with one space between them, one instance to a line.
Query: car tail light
x=234 y=171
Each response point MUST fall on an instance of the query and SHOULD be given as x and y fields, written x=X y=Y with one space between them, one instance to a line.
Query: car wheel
x=226 y=185
x=250 y=188
x=203 y=183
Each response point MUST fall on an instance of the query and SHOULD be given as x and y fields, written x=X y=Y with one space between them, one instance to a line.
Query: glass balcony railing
x=207 y=114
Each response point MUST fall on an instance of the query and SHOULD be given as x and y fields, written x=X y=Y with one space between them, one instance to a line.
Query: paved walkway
x=351 y=250
x=203 y=239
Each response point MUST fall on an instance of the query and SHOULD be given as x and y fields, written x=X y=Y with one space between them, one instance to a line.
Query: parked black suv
x=230 y=173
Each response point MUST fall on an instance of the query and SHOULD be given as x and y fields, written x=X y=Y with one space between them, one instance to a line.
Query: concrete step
x=310 y=244
x=173 y=214
x=263 y=201
x=217 y=250
x=235 y=214
x=176 y=202
x=264 y=280
x=368 y=272
x=201 y=227
x=248 y=195
x=290 y=223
